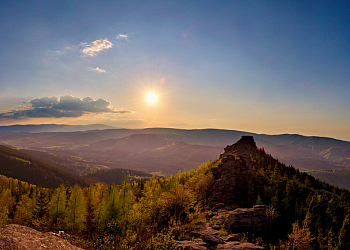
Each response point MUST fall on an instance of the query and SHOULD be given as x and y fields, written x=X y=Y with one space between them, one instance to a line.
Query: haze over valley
x=165 y=151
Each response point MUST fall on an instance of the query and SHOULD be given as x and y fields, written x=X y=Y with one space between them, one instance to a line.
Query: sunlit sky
x=259 y=66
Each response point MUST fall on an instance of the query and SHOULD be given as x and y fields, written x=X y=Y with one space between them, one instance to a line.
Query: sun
x=151 y=98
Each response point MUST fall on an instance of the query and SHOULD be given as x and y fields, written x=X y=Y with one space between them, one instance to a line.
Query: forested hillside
x=16 y=164
x=305 y=213
x=118 y=175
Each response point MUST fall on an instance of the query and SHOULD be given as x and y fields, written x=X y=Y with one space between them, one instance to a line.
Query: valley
x=165 y=151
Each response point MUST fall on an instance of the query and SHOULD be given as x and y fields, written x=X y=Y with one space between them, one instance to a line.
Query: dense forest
x=15 y=164
x=307 y=213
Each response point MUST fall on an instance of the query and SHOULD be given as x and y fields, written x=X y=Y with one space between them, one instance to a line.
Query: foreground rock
x=191 y=245
x=20 y=237
x=235 y=245
x=212 y=239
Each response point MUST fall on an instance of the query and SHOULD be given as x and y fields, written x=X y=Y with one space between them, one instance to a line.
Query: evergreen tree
x=76 y=209
x=24 y=210
x=6 y=202
x=58 y=203
x=41 y=209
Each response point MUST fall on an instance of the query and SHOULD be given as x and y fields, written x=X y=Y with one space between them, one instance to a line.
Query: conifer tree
x=41 y=209
x=58 y=203
x=24 y=210
x=92 y=202
x=76 y=209
x=6 y=202
x=344 y=235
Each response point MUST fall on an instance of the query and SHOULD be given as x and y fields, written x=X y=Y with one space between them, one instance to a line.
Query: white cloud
x=125 y=36
x=96 y=46
x=99 y=70
x=65 y=106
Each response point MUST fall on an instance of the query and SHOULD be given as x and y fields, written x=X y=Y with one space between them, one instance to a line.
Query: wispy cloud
x=96 y=46
x=125 y=36
x=99 y=70
x=65 y=106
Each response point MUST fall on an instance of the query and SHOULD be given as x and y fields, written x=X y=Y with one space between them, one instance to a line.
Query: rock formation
x=22 y=238
x=230 y=182
x=228 y=190
x=242 y=220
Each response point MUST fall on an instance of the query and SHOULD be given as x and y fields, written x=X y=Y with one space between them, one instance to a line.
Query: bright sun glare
x=151 y=98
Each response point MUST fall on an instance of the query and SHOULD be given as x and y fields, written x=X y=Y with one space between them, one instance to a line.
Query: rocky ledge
x=22 y=238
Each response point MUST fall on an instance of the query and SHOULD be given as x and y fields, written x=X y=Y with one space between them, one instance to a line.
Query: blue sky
x=261 y=66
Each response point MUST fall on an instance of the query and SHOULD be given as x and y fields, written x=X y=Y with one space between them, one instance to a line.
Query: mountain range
x=165 y=151
x=37 y=128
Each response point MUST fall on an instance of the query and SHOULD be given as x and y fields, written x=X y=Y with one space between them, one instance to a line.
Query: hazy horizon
x=263 y=67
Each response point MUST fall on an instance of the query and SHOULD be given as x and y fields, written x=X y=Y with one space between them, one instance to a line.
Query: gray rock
x=206 y=230
x=212 y=239
x=242 y=246
x=232 y=237
x=190 y=245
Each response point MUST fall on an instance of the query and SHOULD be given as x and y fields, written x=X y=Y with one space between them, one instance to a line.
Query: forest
x=307 y=213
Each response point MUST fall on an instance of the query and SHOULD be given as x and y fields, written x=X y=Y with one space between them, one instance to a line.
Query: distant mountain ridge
x=38 y=128
x=154 y=149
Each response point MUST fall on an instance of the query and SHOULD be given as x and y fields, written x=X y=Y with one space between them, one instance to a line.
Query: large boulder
x=243 y=220
x=22 y=238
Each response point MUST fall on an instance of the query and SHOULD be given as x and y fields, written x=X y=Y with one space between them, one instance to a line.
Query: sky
x=270 y=67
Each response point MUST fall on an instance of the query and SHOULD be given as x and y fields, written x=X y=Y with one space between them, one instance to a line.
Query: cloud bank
x=65 y=106
x=96 y=46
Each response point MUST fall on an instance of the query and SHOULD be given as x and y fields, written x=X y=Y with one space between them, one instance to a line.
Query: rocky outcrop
x=242 y=220
x=230 y=182
x=22 y=238
x=231 y=245
x=228 y=189
x=214 y=242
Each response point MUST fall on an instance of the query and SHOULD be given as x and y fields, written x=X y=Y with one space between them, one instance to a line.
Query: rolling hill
x=18 y=165
x=153 y=153
x=158 y=149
